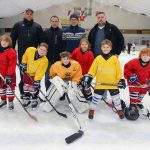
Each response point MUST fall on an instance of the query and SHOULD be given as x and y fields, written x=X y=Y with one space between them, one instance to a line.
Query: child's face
x=4 y=43
x=84 y=46
x=106 y=49
x=42 y=51
x=145 y=57
x=65 y=60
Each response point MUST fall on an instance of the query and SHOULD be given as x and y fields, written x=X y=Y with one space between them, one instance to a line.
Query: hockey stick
x=61 y=114
x=30 y=115
x=78 y=134
x=109 y=84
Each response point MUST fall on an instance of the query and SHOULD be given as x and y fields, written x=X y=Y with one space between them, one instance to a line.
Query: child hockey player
x=34 y=64
x=85 y=58
x=137 y=72
x=65 y=75
x=8 y=61
x=83 y=55
x=106 y=68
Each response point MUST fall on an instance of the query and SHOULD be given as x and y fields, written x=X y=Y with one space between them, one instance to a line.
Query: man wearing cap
x=72 y=34
x=28 y=33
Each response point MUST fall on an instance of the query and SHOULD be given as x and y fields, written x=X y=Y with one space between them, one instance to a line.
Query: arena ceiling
x=13 y=7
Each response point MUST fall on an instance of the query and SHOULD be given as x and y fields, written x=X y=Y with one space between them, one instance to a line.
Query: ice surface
x=105 y=132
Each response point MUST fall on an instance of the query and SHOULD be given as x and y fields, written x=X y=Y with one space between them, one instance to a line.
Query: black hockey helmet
x=131 y=114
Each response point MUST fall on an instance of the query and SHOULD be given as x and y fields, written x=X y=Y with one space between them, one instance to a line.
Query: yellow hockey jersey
x=72 y=73
x=35 y=68
x=106 y=71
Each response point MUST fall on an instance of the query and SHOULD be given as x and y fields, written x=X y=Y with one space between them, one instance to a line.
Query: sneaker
x=120 y=114
x=34 y=104
x=11 y=105
x=91 y=114
x=3 y=103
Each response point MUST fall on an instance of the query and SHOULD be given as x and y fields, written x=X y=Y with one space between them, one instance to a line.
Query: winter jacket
x=112 y=33
x=53 y=37
x=85 y=59
x=28 y=33
x=71 y=37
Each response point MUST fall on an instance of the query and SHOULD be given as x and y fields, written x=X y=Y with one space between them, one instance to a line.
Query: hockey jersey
x=8 y=61
x=35 y=68
x=134 y=67
x=85 y=59
x=72 y=73
x=106 y=71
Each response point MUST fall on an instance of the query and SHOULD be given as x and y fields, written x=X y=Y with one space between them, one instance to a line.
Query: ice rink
x=105 y=132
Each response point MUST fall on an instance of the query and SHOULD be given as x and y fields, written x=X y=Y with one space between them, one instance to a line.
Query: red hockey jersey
x=134 y=67
x=8 y=61
x=84 y=59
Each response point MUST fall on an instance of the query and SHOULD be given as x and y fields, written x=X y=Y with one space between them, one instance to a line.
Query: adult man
x=104 y=30
x=53 y=37
x=28 y=33
x=73 y=34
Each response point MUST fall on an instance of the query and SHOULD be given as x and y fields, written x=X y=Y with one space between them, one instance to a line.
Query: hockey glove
x=122 y=84
x=133 y=78
x=86 y=80
x=23 y=67
x=37 y=85
x=8 y=80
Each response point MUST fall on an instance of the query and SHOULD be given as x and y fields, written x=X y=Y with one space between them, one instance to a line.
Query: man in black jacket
x=104 y=30
x=28 y=33
x=53 y=37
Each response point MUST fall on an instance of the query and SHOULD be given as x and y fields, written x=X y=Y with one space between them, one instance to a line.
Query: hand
x=122 y=84
x=133 y=78
x=37 y=85
x=23 y=68
x=8 y=80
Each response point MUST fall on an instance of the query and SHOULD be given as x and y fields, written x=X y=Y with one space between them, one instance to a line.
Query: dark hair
x=54 y=16
x=100 y=12
x=65 y=54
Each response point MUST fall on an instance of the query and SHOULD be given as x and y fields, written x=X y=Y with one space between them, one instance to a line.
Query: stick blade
x=74 y=137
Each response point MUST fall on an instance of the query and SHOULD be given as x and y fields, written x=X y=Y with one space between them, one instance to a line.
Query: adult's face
x=28 y=15
x=101 y=19
x=73 y=21
x=54 y=22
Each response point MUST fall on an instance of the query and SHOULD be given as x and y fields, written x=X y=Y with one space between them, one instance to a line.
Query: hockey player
x=34 y=64
x=83 y=55
x=8 y=60
x=85 y=58
x=137 y=72
x=106 y=68
x=65 y=76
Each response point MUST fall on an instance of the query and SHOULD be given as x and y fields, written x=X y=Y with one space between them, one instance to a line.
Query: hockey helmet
x=131 y=113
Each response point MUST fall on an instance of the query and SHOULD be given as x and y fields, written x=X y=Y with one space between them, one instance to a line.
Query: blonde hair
x=6 y=38
x=145 y=51
x=106 y=42
x=85 y=40
x=44 y=45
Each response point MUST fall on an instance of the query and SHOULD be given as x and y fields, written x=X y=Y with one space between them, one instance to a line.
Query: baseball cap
x=74 y=16
x=29 y=10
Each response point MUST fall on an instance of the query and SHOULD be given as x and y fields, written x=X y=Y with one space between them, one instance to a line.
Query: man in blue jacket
x=72 y=34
